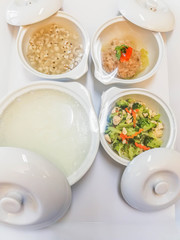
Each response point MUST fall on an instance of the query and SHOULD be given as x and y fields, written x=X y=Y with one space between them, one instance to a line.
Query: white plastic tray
x=98 y=210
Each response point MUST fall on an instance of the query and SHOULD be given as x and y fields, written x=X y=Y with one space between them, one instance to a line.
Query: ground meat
x=110 y=62
x=129 y=68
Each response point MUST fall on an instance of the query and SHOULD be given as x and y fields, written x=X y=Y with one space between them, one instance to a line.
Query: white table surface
x=98 y=210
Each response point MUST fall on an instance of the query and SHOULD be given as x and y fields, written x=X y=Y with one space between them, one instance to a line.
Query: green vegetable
x=112 y=130
x=156 y=117
x=124 y=125
x=154 y=143
x=133 y=151
x=131 y=130
x=118 y=147
x=122 y=104
x=136 y=105
x=145 y=123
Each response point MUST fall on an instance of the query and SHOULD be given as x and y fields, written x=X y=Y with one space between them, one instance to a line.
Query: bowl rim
x=77 y=72
x=160 y=43
x=81 y=94
x=114 y=93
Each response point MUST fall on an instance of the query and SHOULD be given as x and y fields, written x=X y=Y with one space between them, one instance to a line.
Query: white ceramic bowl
x=81 y=98
x=110 y=97
x=121 y=28
x=61 y=18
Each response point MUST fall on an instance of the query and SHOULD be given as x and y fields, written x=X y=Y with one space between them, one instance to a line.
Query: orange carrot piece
x=134 y=117
x=141 y=146
x=127 y=110
x=136 y=133
x=123 y=136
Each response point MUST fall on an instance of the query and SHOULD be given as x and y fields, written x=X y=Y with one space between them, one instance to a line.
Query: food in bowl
x=133 y=128
x=124 y=56
x=51 y=123
x=54 y=49
x=120 y=29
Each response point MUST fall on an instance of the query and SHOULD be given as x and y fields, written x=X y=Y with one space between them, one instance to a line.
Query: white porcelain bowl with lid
x=122 y=29
x=51 y=44
x=64 y=20
x=49 y=140
x=56 y=120
x=150 y=182
x=110 y=97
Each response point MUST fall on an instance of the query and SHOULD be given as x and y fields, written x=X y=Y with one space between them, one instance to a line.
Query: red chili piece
x=126 y=56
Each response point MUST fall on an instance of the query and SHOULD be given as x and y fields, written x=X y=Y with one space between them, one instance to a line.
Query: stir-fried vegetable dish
x=133 y=128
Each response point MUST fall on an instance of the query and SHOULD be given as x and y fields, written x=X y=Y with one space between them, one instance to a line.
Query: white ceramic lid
x=25 y=12
x=152 y=180
x=33 y=193
x=153 y=15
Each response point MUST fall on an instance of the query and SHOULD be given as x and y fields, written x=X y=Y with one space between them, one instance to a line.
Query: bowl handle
x=110 y=93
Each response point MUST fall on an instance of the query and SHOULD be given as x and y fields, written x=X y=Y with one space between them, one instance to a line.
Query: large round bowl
x=76 y=123
x=110 y=97
x=120 y=28
x=63 y=19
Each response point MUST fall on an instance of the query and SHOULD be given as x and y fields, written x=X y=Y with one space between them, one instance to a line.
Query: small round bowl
x=75 y=124
x=122 y=29
x=110 y=97
x=63 y=19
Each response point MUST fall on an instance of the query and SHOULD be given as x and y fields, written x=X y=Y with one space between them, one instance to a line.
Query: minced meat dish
x=123 y=56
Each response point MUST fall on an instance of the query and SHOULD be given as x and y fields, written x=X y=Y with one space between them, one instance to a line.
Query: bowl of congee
x=55 y=48
x=125 y=53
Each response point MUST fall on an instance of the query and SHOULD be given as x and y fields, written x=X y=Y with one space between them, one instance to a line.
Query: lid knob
x=161 y=188
x=12 y=202
x=151 y=181
x=152 y=5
